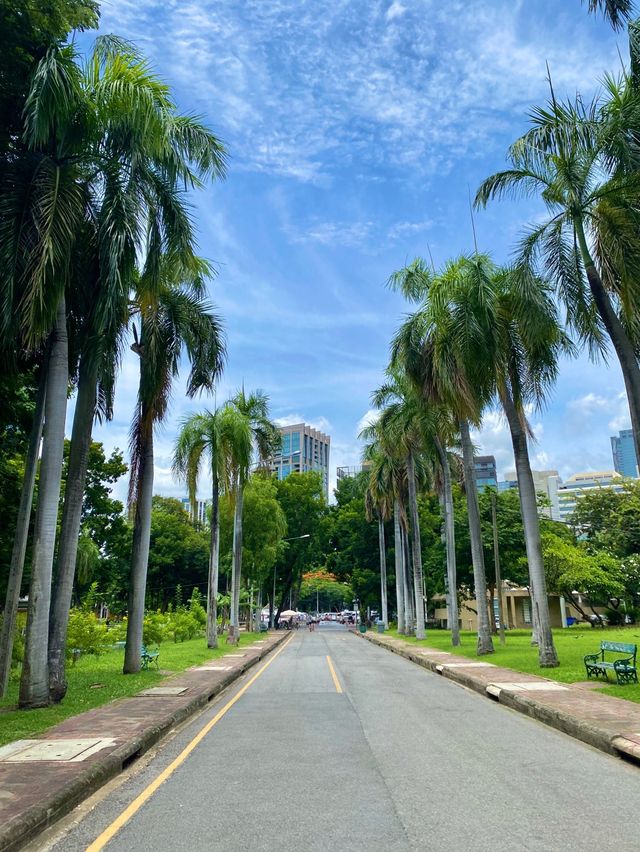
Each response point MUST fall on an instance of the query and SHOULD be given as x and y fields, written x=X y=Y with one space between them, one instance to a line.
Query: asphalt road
x=401 y=759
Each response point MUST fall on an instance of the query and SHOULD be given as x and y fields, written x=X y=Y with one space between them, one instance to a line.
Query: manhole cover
x=25 y=751
x=165 y=690
x=210 y=668
x=465 y=665
x=529 y=686
x=235 y=655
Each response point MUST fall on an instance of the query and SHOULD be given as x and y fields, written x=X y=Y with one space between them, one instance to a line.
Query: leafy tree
x=321 y=591
x=609 y=519
x=301 y=497
x=597 y=576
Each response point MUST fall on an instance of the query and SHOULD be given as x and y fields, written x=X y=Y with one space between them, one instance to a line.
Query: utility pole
x=496 y=559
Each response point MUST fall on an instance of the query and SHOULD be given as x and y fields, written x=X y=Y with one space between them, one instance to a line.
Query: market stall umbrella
x=288 y=613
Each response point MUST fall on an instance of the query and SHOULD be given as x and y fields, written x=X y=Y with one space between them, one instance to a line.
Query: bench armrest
x=592 y=658
x=626 y=662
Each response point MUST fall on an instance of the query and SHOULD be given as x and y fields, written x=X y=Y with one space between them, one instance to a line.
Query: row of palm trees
x=484 y=335
x=97 y=248
x=231 y=439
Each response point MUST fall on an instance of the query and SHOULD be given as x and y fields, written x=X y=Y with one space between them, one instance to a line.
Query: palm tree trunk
x=70 y=527
x=529 y=508
x=236 y=574
x=14 y=583
x=416 y=546
x=485 y=643
x=397 y=541
x=409 y=606
x=617 y=332
x=34 y=684
x=450 y=542
x=140 y=553
x=383 y=573
x=214 y=557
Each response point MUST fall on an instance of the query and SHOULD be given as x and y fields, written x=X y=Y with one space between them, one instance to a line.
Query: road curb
x=611 y=743
x=19 y=831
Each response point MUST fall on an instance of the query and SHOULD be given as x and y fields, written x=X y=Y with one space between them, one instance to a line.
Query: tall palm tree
x=401 y=419
x=204 y=435
x=588 y=246
x=441 y=352
x=617 y=12
x=43 y=204
x=144 y=147
x=173 y=317
x=252 y=437
x=379 y=505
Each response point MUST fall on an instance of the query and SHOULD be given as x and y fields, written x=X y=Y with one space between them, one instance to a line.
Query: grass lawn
x=96 y=680
x=518 y=654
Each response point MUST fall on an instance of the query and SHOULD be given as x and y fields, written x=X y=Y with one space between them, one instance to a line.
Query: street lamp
x=273 y=599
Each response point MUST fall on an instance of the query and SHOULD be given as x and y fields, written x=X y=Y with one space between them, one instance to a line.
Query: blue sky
x=356 y=129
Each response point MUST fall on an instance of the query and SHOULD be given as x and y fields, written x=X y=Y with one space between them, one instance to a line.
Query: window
x=526 y=610
x=286 y=444
x=295 y=442
x=286 y=470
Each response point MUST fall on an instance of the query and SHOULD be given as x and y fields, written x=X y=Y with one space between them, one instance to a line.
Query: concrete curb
x=17 y=832
x=600 y=738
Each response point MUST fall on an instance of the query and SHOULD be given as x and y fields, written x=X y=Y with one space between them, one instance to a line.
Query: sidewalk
x=609 y=724
x=43 y=779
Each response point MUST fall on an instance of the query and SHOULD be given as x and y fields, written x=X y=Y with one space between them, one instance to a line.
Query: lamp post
x=273 y=599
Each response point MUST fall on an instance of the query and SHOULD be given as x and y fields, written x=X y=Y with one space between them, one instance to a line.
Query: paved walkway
x=42 y=779
x=610 y=724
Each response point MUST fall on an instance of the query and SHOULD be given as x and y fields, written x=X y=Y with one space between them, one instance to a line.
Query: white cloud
x=319 y=423
x=370 y=418
x=395 y=10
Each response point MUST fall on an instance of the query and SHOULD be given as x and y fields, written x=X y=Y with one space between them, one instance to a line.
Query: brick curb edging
x=614 y=744
x=17 y=832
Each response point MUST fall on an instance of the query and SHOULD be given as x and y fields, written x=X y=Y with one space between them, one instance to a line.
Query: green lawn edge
x=95 y=681
x=518 y=654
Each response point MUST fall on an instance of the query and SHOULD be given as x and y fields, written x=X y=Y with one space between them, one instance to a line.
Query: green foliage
x=609 y=519
x=569 y=567
x=86 y=633
x=322 y=587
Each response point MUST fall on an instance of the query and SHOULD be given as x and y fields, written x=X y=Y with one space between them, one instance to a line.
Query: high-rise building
x=200 y=515
x=303 y=448
x=546 y=483
x=581 y=483
x=486 y=473
x=624 y=453
x=353 y=470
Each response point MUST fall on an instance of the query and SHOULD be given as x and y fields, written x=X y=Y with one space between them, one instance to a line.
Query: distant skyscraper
x=486 y=473
x=580 y=484
x=624 y=453
x=353 y=470
x=546 y=482
x=303 y=448
x=200 y=515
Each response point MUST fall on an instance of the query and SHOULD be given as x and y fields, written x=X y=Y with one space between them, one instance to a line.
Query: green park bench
x=148 y=657
x=624 y=666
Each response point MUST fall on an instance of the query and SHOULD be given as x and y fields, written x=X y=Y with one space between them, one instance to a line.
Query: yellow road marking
x=109 y=833
x=336 y=682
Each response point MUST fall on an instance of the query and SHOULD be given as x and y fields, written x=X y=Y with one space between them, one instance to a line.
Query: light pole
x=273 y=599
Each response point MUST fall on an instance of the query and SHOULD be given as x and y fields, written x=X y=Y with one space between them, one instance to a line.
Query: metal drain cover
x=165 y=690
x=64 y=751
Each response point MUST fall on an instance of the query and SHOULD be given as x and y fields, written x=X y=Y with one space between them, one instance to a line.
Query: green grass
x=518 y=654
x=94 y=681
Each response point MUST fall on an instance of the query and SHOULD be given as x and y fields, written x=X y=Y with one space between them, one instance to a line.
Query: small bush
x=154 y=628
x=86 y=633
x=183 y=625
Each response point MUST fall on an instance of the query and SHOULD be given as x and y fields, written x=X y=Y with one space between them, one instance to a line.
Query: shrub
x=183 y=626
x=154 y=628
x=86 y=633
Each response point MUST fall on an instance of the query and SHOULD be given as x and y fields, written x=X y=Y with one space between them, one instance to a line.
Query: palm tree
x=379 y=504
x=401 y=419
x=515 y=317
x=441 y=352
x=617 y=12
x=42 y=207
x=143 y=147
x=588 y=245
x=173 y=317
x=200 y=435
x=251 y=434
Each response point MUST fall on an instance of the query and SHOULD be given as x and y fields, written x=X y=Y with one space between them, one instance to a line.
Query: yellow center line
x=109 y=833
x=336 y=682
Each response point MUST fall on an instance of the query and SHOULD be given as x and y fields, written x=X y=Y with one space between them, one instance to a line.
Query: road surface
x=340 y=744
